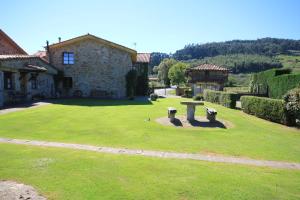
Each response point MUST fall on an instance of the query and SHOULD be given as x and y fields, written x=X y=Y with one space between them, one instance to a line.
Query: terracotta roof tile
x=143 y=57
x=41 y=54
x=16 y=56
x=209 y=67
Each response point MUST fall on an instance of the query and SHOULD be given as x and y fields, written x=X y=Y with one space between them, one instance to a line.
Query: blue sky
x=154 y=25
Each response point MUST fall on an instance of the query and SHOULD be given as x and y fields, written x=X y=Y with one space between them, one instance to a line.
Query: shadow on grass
x=102 y=102
x=197 y=123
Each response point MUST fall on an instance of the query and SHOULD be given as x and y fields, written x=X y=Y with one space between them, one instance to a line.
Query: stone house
x=22 y=76
x=91 y=67
x=207 y=76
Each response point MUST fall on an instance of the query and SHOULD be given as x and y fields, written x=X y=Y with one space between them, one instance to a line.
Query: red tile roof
x=41 y=54
x=17 y=56
x=143 y=57
x=12 y=42
x=210 y=67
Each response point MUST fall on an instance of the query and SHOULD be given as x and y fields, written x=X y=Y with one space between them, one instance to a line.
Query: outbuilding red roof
x=209 y=67
x=41 y=54
x=143 y=57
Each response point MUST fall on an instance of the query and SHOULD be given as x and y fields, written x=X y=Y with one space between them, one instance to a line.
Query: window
x=67 y=82
x=34 y=82
x=68 y=58
x=8 y=80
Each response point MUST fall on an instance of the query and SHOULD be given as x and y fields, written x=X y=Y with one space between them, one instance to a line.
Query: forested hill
x=265 y=46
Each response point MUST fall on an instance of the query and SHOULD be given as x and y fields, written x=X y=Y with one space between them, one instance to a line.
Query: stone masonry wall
x=97 y=67
x=1 y=89
x=45 y=81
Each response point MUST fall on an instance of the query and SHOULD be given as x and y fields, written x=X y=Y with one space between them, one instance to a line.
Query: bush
x=188 y=93
x=274 y=83
x=266 y=108
x=198 y=97
x=153 y=97
x=226 y=99
x=292 y=105
x=131 y=80
x=280 y=85
x=142 y=86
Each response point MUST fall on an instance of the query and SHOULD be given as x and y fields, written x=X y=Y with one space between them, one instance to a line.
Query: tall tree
x=163 y=70
x=177 y=73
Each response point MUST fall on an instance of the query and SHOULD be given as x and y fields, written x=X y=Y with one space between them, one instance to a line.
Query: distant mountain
x=264 y=46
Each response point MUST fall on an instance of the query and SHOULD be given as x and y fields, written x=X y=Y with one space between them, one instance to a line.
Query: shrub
x=188 y=93
x=198 y=97
x=142 y=85
x=131 y=80
x=266 y=108
x=280 y=85
x=292 y=105
x=153 y=97
x=274 y=83
x=226 y=99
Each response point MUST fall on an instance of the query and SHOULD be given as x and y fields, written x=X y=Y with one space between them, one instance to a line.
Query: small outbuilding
x=207 y=76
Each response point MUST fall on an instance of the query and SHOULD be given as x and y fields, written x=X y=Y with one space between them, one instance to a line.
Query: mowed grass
x=131 y=124
x=69 y=174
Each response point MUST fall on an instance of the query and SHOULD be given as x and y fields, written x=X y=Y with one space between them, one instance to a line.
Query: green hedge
x=260 y=81
x=226 y=99
x=279 y=85
x=266 y=108
x=274 y=83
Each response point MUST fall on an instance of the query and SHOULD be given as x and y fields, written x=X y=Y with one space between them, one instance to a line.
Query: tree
x=163 y=70
x=177 y=73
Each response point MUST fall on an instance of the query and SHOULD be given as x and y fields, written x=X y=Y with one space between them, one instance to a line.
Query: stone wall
x=1 y=89
x=200 y=87
x=45 y=80
x=97 y=67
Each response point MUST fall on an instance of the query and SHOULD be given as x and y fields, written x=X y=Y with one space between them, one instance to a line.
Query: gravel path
x=160 y=154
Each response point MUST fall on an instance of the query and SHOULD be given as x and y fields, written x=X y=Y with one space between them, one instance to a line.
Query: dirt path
x=160 y=154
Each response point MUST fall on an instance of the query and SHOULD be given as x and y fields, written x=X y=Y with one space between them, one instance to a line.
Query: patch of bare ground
x=10 y=190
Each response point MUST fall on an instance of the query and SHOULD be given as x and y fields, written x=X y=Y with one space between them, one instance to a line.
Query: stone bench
x=171 y=113
x=211 y=114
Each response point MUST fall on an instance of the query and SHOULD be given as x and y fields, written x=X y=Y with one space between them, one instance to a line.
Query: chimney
x=59 y=39
x=48 y=51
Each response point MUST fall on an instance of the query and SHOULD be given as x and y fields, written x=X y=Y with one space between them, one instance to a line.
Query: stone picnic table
x=191 y=108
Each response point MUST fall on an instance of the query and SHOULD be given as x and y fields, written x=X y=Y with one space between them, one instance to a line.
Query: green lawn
x=70 y=174
x=290 y=61
x=126 y=124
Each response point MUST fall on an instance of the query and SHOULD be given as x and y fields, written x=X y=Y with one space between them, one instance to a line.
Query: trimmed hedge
x=260 y=81
x=266 y=108
x=274 y=83
x=226 y=99
x=279 y=85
